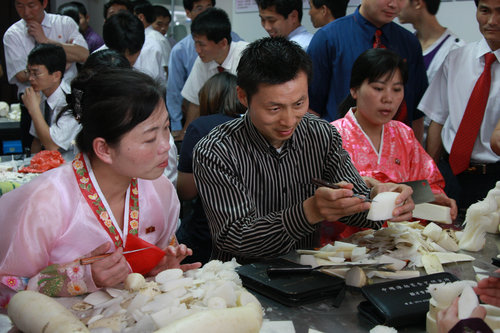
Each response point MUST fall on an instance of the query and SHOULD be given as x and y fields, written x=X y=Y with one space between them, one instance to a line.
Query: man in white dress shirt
x=46 y=65
x=446 y=100
x=156 y=49
x=217 y=52
x=283 y=18
x=36 y=27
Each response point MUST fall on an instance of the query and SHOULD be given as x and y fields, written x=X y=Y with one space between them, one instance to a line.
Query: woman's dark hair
x=96 y=62
x=372 y=65
x=105 y=59
x=71 y=10
x=110 y=103
x=218 y=95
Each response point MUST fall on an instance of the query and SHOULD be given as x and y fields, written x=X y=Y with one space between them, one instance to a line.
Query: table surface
x=6 y=123
x=324 y=317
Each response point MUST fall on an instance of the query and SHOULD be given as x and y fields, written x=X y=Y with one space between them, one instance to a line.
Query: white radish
x=134 y=282
x=355 y=277
x=245 y=319
x=467 y=303
x=169 y=274
x=33 y=312
x=382 y=206
x=433 y=231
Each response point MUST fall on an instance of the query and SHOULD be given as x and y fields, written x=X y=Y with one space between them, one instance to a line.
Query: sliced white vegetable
x=446 y=242
x=134 y=282
x=467 y=303
x=216 y=303
x=431 y=264
x=34 y=312
x=169 y=315
x=173 y=284
x=396 y=264
x=382 y=206
x=358 y=253
x=169 y=274
x=383 y=329
x=308 y=259
x=339 y=272
x=244 y=297
x=445 y=293
x=430 y=324
x=432 y=212
x=97 y=298
x=115 y=323
x=355 y=277
x=433 y=231
x=245 y=319
x=338 y=260
x=448 y=257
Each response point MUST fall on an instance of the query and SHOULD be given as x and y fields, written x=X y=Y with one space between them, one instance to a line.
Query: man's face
x=115 y=8
x=276 y=110
x=161 y=24
x=41 y=80
x=274 y=23
x=317 y=17
x=380 y=12
x=408 y=12
x=488 y=17
x=198 y=8
x=209 y=50
x=31 y=10
x=83 y=24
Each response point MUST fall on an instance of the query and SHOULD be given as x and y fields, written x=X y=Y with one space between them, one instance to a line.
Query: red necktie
x=377 y=41
x=468 y=130
x=220 y=69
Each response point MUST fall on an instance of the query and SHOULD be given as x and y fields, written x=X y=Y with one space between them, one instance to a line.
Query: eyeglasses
x=34 y=74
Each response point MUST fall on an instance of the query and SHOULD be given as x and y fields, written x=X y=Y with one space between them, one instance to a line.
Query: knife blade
x=308 y=268
x=421 y=191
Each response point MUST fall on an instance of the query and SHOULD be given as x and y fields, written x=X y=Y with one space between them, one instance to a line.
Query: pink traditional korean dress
x=401 y=157
x=62 y=215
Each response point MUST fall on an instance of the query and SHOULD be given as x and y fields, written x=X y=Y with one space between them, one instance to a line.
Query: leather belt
x=479 y=168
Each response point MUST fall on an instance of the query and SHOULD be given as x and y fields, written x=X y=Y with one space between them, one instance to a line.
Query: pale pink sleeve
x=33 y=217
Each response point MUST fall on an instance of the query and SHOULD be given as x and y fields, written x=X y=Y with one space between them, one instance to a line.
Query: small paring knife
x=273 y=271
x=90 y=260
x=324 y=183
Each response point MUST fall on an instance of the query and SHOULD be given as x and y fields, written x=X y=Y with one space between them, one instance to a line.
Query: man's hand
x=35 y=29
x=403 y=212
x=332 y=204
x=111 y=270
x=448 y=318
x=173 y=258
x=31 y=100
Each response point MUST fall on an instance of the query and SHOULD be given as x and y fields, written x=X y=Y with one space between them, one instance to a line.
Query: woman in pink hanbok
x=381 y=148
x=113 y=197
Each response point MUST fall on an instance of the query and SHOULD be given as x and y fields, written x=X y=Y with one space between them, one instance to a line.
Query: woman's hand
x=173 y=258
x=111 y=270
x=443 y=200
x=448 y=318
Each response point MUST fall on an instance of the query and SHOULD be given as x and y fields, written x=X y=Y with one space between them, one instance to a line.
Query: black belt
x=479 y=168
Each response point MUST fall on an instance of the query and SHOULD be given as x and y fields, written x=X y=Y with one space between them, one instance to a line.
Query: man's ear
x=242 y=96
x=223 y=42
x=44 y=3
x=188 y=14
x=295 y=15
x=102 y=150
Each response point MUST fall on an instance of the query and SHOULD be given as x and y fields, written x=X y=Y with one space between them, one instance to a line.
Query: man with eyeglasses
x=46 y=65
x=37 y=27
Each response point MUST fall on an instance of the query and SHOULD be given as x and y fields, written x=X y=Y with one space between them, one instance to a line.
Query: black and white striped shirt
x=253 y=195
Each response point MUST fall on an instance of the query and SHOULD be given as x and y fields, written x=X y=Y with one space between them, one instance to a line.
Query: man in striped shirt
x=254 y=173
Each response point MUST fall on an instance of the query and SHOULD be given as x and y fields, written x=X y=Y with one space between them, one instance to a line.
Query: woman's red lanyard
x=90 y=194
